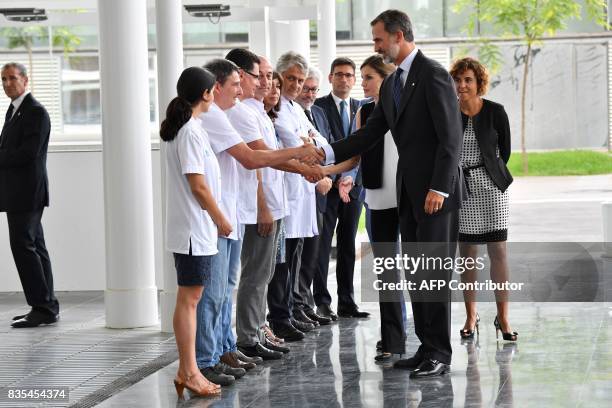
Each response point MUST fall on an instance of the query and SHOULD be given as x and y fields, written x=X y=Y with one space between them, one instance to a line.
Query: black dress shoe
x=322 y=320
x=411 y=363
x=352 y=313
x=430 y=368
x=35 y=319
x=18 y=317
x=326 y=311
x=301 y=326
x=246 y=359
x=227 y=370
x=287 y=332
x=215 y=375
x=276 y=347
x=302 y=317
x=260 y=351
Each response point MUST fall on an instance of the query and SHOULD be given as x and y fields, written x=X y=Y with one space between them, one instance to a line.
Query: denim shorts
x=192 y=270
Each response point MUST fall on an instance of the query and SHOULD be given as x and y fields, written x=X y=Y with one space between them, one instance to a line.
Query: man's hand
x=265 y=222
x=324 y=185
x=313 y=173
x=310 y=154
x=224 y=228
x=433 y=202
x=344 y=188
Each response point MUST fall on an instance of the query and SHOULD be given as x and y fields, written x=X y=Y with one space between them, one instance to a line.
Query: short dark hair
x=342 y=61
x=480 y=72
x=221 y=69
x=394 y=21
x=245 y=59
x=20 y=67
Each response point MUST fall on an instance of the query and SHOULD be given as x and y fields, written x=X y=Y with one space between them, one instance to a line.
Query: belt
x=466 y=172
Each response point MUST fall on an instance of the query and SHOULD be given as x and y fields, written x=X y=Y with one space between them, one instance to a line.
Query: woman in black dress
x=484 y=216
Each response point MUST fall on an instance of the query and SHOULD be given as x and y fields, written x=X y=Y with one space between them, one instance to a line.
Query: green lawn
x=563 y=163
x=559 y=163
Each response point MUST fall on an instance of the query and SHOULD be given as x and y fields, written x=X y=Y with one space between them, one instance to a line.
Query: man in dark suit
x=303 y=300
x=419 y=104
x=24 y=193
x=340 y=110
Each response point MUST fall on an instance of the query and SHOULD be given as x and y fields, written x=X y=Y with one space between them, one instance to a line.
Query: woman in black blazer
x=484 y=215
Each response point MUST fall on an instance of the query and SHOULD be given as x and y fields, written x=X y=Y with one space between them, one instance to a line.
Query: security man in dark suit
x=419 y=105
x=340 y=110
x=24 y=192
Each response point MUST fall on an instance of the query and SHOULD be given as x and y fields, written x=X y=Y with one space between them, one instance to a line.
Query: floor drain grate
x=126 y=381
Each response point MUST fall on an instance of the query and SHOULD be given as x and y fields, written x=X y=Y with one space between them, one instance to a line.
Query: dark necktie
x=309 y=116
x=9 y=113
x=397 y=87
x=344 y=118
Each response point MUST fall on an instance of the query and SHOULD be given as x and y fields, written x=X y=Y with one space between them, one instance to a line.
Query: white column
x=259 y=34
x=289 y=36
x=607 y=228
x=169 y=34
x=131 y=296
x=326 y=40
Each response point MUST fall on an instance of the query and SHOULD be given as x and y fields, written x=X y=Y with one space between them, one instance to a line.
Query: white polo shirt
x=186 y=223
x=273 y=180
x=244 y=120
x=222 y=136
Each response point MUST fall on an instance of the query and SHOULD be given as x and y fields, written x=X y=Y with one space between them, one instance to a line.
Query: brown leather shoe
x=270 y=335
x=231 y=360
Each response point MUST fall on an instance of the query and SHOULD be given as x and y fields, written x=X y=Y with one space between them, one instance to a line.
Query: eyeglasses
x=340 y=75
x=251 y=74
x=308 y=90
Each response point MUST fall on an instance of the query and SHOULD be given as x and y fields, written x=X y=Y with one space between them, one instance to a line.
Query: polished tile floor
x=563 y=359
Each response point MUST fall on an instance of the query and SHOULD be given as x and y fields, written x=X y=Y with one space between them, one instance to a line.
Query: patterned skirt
x=484 y=216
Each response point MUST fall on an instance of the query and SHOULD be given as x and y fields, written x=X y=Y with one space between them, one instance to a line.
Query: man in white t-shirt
x=214 y=337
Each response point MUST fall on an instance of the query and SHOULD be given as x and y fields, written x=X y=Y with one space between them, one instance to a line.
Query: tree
x=26 y=37
x=529 y=21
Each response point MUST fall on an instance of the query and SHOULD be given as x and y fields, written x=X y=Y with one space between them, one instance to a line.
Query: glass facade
x=78 y=106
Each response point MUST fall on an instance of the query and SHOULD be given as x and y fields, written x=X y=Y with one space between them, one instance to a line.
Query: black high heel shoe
x=467 y=333
x=506 y=336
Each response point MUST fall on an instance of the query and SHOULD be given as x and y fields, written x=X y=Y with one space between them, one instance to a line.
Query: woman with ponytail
x=193 y=219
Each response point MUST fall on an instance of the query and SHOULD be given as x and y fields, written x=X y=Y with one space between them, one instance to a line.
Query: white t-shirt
x=273 y=180
x=244 y=120
x=222 y=136
x=186 y=223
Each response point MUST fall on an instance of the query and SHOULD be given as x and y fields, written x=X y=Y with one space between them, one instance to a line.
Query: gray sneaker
x=215 y=375
x=234 y=372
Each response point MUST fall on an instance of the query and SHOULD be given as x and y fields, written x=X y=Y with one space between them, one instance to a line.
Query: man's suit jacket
x=23 y=158
x=333 y=116
x=427 y=130
x=322 y=125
